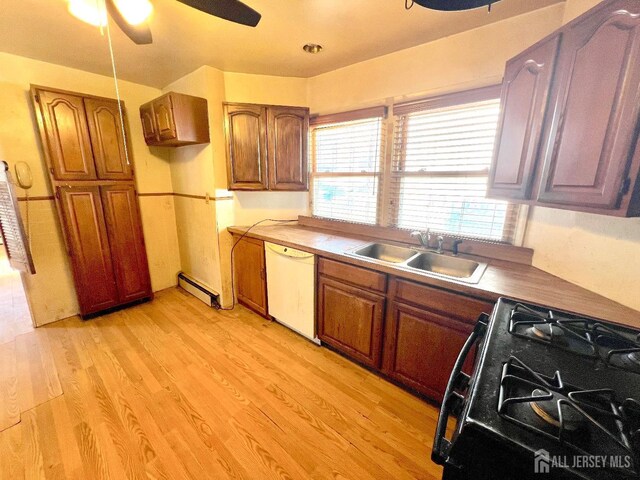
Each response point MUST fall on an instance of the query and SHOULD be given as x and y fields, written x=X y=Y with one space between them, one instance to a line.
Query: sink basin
x=385 y=253
x=420 y=261
x=446 y=265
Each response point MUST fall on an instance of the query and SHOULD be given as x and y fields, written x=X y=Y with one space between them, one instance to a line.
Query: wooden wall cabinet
x=525 y=96
x=175 y=120
x=246 y=132
x=250 y=274
x=66 y=135
x=83 y=142
x=287 y=130
x=266 y=147
x=588 y=157
x=107 y=142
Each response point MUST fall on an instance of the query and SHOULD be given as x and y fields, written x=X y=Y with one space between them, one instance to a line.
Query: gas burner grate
x=591 y=422
x=581 y=336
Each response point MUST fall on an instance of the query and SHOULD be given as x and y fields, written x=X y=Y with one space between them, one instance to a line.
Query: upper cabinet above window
x=175 y=120
x=266 y=147
x=568 y=136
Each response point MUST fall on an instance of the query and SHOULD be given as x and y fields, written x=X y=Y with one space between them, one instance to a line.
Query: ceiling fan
x=132 y=15
x=451 y=5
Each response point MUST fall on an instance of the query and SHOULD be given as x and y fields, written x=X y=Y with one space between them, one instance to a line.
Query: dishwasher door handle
x=287 y=251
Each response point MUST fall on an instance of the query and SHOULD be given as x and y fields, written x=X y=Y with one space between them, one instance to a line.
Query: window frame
x=378 y=112
x=388 y=204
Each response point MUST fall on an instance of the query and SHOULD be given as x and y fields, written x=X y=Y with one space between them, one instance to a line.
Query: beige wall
x=51 y=292
x=597 y=252
x=200 y=170
x=466 y=60
x=193 y=173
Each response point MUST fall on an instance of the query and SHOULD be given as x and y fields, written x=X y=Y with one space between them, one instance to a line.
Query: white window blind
x=441 y=159
x=346 y=165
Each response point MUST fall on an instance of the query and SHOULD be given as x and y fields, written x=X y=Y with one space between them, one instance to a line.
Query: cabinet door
x=596 y=108
x=525 y=95
x=287 y=129
x=250 y=277
x=421 y=348
x=246 y=147
x=105 y=129
x=127 y=242
x=66 y=136
x=148 y=119
x=88 y=245
x=165 y=121
x=350 y=320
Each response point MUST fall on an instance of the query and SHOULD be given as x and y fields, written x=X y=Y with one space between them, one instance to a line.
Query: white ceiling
x=185 y=39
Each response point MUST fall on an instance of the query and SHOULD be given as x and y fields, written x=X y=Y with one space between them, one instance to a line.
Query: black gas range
x=552 y=395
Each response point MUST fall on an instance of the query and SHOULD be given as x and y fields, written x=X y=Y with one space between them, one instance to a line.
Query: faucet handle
x=454 y=248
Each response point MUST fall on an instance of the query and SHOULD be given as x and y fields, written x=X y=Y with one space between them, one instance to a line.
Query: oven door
x=454 y=401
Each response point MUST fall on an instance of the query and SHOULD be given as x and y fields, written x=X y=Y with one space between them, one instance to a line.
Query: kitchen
x=392 y=312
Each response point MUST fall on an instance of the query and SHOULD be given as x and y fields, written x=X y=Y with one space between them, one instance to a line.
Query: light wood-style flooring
x=172 y=389
x=14 y=312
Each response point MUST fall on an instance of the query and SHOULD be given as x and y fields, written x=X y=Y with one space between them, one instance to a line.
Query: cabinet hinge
x=37 y=97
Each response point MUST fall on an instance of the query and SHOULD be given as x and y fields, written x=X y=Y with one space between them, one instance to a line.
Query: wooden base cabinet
x=425 y=330
x=421 y=348
x=410 y=332
x=350 y=319
x=250 y=274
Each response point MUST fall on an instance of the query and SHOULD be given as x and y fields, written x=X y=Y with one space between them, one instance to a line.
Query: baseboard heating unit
x=198 y=290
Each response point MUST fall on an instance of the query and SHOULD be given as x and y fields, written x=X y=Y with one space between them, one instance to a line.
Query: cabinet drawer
x=354 y=275
x=464 y=308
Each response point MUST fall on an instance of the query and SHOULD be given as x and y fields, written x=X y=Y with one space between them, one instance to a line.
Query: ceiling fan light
x=89 y=11
x=134 y=12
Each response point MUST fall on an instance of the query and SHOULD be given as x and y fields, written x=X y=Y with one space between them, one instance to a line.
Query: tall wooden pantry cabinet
x=93 y=180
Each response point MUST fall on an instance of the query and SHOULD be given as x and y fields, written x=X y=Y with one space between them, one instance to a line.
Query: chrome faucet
x=425 y=240
x=424 y=237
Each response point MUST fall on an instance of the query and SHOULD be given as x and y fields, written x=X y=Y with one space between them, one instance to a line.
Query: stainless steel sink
x=428 y=263
x=385 y=253
x=445 y=265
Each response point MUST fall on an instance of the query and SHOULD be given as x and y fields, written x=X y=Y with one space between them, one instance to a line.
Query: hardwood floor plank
x=173 y=389
x=9 y=408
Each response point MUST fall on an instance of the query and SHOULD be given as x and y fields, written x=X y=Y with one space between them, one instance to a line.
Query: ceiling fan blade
x=232 y=10
x=140 y=34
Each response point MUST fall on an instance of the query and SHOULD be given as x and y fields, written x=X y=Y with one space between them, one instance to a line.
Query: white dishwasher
x=291 y=288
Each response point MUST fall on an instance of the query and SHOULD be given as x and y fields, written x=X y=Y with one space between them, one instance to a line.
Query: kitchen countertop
x=501 y=278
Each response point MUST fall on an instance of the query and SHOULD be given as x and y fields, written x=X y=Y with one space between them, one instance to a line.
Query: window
x=346 y=165
x=441 y=158
x=435 y=176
